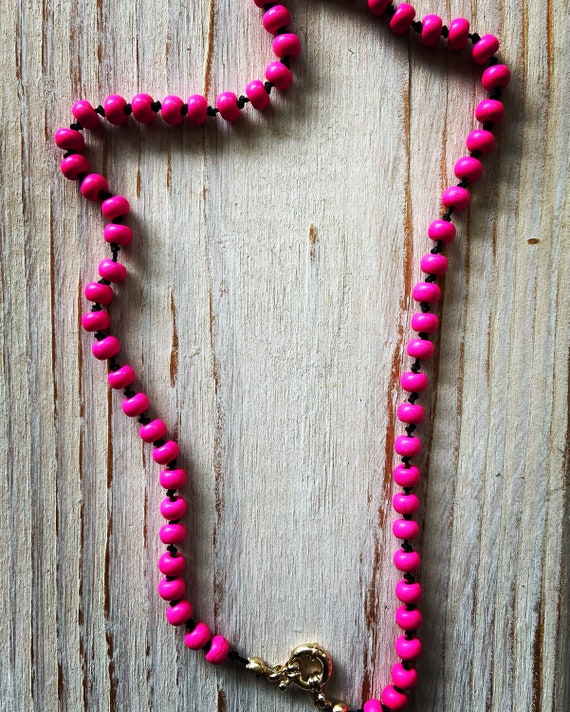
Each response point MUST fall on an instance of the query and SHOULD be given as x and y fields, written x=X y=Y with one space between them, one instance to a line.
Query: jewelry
x=309 y=666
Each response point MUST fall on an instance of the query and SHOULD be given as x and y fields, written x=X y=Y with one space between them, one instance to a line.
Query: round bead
x=197 y=638
x=468 y=167
x=372 y=705
x=431 y=30
x=458 y=33
x=115 y=207
x=172 y=534
x=197 y=109
x=171 y=565
x=411 y=413
x=408 y=648
x=378 y=7
x=69 y=139
x=121 y=235
x=480 y=140
x=280 y=75
x=490 y=110
x=402 y=18
x=171 y=589
x=173 y=479
x=407 y=476
x=420 y=348
x=96 y=320
x=166 y=453
x=179 y=613
x=414 y=382
x=113 y=271
x=142 y=110
x=393 y=699
x=405 y=503
x=442 y=231
x=485 y=49
x=425 y=323
x=85 y=114
x=173 y=509
x=404 y=678
x=155 y=430
x=287 y=44
x=407 y=446
x=74 y=166
x=409 y=593
x=434 y=264
x=426 y=292
x=121 y=378
x=227 y=103
x=405 y=529
x=276 y=18
x=92 y=185
x=99 y=293
x=260 y=3
x=455 y=196
x=498 y=75
x=219 y=649
x=114 y=106
x=407 y=560
x=171 y=110
x=105 y=348
x=408 y=619
x=135 y=405
x=257 y=94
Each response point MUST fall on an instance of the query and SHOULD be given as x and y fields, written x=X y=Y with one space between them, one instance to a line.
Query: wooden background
x=266 y=310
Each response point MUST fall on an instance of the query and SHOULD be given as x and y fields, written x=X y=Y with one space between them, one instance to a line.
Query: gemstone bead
x=280 y=75
x=112 y=271
x=121 y=378
x=197 y=638
x=497 y=75
x=171 y=589
x=442 y=231
x=172 y=533
x=431 y=30
x=434 y=264
x=171 y=565
x=405 y=529
x=92 y=185
x=420 y=348
x=407 y=476
x=458 y=33
x=114 y=106
x=406 y=503
x=480 y=140
x=428 y=292
x=166 y=453
x=179 y=613
x=409 y=593
x=121 y=235
x=257 y=94
x=135 y=405
x=219 y=649
x=98 y=293
x=468 y=167
x=427 y=323
x=227 y=104
x=485 y=49
x=115 y=207
x=276 y=18
x=173 y=479
x=408 y=619
x=155 y=430
x=407 y=446
x=287 y=44
x=85 y=114
x=96 y=321
x=173 y=509
x=455 y=196
x=411 y=413
x=490 y=110
x=403 y=677
x=408 y=648
x=74 y=166
x=393 y=699
x=414 y=382
x=171 y=107
x=142 y=110
x=69 y=140
x=407 y=561
x=105 y=348
x=402 y=18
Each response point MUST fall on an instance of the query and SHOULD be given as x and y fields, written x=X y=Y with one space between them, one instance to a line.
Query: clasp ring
x=314 y=666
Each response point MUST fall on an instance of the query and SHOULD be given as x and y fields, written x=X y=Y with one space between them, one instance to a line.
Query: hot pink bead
x=409 y=593
x=197 y=638
x=402 y=18
x=105 y=348
x=113 y=271
x=171 y=107
x=173 y=479
x=276 y=18
x=405 y=503
x=393 y=699
x=172 y=534
x=425 y=323
x=428 y=292
x=95 y=321
x=411 y=413
x=260 y=3
x=228 y=106
x=280 y=75
x=468 y=167
x=166 y=453
x=119 y=234
x=257 y=94
x=407 y=476
x=179 y=613
x=407 y=446
x=171 y=565
x=498 y=75
x=114 y=106
x=171 y=589
x=490 y=110
x=121 y=378
x=378 y=7
x=85 y=114
x=173 y=509
x=480 y=140
x=404 y=678
x=287 y=44
x=407 y=560
x=442 y=231
x=408 y=619
x=413 y=382
x=197 y=109
x=405 y=529
x=434 y=264
x=141 y=106
x=69 y=139
x=485 y=49
x=74 y=166
x=135 y=405
x=456 y=196
x=115 y=207
x=155 y=430
x=420 y=348
x=219 y=649
x=431 y=30
x=99 y=293
x=92 y=185
x=458 y=33
x=408 y=648
x=372 y=705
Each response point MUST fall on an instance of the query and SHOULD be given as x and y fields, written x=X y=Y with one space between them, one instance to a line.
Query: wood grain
x=267 y=310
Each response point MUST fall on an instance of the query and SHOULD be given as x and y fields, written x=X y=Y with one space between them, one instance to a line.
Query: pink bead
x=85 y=114
x=404 y=678
x=74 y=166
x=260 y=3
x=458 y=33
x=425 y=323
x=490 y=110
x=92 y=185
x=70 y=140
x=280 y=75
x=498 y=75
x=411 y=413
x=171 y=108
x=219 y=649
x=173 y=509
x=172 y=534
x=276 y=18
x=407 y=560
x=105 y=348
x=257 y=94
x=408 y=648
x=179 y=613
x=480 y=140
x=434 y=264
x=121 y=235
x=155 y=430
x=485 y=49
x=393 y=699
x=197 y=109
x=406 y=503
x=372 y=705
x=173 y=479
x=455 y=196
x=114 y=106
x=96 y=321
x=228 y=106
x=115 y=207
x=166 y=453
x=287 y=45
x=171 y=589
x=413 y=382
x=402 y=18
x=408 y=619
x=171 y=565
x=431 y=30
x=135 y=405
x=113 y=271
x=121 y=378
x=98 y=293
x=405 y=529
x=409 y=593
x=407 y=446
x=468 y=167
x=141 y=106
x=420 y=348
x=407 y=476
x=196 y=639
x=442 y=231
x=426 y=292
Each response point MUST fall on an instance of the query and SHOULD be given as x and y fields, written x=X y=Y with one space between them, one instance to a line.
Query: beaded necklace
x=309 y=665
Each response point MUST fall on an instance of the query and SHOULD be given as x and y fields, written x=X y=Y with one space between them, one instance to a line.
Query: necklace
x=309 y=666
